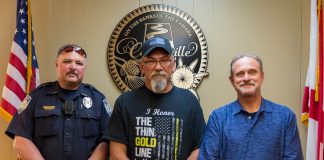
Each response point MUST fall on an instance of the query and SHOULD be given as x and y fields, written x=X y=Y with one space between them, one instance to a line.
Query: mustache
x=155 y=74
x=247 y=83
x=72 y=72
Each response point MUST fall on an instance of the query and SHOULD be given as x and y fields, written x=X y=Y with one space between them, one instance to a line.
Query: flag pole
x=29 y=60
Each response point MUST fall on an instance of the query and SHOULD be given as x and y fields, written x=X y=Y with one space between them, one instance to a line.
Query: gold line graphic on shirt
x=177 y=139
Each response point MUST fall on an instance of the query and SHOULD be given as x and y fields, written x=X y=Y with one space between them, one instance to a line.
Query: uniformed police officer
x=65 y=119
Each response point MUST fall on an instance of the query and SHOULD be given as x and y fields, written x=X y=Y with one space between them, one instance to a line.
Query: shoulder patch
x=107 y=106
x=24 y=104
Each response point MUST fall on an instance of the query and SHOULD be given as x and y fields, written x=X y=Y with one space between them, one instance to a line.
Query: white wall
x=276 y=30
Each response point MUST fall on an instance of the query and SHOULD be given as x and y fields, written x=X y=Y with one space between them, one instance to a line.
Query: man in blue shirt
x=251 y=127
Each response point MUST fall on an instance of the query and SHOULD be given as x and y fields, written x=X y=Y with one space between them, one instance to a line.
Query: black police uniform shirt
x=62 y=124
x=157 y=126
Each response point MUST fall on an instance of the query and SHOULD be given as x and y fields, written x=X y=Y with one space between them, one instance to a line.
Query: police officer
x=65 y=119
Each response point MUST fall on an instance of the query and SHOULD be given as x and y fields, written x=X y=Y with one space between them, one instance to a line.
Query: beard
x=159 y=82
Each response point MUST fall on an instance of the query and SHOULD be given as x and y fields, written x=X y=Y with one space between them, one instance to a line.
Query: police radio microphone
x=68 y=107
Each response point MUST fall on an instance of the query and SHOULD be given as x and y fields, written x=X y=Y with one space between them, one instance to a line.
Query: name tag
x=48 y=107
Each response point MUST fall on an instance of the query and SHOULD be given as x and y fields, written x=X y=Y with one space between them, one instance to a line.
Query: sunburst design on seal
x=133 y=80
x=184 y=77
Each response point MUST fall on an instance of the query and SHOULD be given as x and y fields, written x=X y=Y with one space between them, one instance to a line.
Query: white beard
x=158 y=85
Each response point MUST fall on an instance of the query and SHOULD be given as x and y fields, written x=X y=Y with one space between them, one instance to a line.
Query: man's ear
x=231 y=79
x=141 y=66
x=262 y=76
x=174 y=65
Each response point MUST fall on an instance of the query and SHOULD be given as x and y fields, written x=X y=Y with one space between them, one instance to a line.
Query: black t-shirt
x=157 y=126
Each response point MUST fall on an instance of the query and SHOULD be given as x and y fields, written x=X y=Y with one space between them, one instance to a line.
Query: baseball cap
x=156 y=42
x=70 y=48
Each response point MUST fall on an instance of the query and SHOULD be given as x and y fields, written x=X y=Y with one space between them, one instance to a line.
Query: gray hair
x=242 y=55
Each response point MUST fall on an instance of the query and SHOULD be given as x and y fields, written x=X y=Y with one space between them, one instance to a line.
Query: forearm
x=118 y=151
x=100 y=153
x=26 y=149
x=194 y=155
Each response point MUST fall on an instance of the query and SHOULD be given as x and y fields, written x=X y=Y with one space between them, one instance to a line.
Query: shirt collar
x=265 y=106
x=55 y=89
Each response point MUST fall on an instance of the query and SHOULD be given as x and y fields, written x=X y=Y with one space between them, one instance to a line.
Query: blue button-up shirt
x=271 y=134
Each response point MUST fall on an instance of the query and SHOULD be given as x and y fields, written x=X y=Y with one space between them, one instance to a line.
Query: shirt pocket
x=90 y=122
x=47 y=122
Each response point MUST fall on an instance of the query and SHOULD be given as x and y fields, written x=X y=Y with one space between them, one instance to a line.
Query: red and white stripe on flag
x=22 y=70
x=312 y=109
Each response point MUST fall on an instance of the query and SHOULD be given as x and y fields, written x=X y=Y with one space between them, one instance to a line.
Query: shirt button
x=68 y=119
x=249 y=117
x=67 y=134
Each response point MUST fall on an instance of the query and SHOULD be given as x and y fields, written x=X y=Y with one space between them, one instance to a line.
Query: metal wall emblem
x=185 y=35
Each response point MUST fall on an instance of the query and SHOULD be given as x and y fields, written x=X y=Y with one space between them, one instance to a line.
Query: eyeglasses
x=71 y=48
x=153 y=63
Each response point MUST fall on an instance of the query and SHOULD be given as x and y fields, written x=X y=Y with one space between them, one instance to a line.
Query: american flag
x=169 y=132
x=22 y=70
x=312 y=109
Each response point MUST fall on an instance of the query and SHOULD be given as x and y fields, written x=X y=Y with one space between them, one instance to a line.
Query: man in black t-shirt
x=158 y=120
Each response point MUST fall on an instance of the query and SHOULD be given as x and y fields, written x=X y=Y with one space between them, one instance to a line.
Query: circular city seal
x=185 y=35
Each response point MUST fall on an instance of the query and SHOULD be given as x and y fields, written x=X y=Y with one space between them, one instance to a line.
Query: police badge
x=87 y=102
